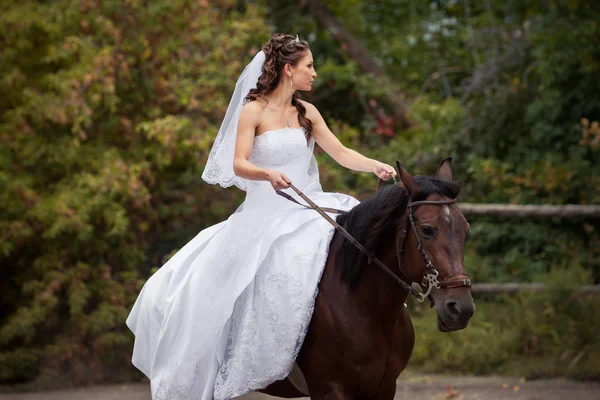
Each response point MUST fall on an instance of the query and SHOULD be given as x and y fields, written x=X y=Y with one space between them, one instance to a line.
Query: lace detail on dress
x=271 y=317
x=171 y=389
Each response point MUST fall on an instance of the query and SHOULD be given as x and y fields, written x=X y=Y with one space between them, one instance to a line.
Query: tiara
x=297 y=40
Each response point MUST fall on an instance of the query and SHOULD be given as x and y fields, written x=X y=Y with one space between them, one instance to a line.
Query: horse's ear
x=444 y=171
x=411 y=185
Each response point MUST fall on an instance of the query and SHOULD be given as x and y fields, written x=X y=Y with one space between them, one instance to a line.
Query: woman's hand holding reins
x=277 y=179
x=384 y=171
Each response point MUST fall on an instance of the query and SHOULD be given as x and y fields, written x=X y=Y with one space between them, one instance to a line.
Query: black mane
x=375 y=220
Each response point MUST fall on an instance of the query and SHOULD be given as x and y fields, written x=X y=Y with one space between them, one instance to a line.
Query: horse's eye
x=427 y=231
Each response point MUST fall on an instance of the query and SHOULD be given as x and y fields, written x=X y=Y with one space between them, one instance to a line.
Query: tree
x=108 y=113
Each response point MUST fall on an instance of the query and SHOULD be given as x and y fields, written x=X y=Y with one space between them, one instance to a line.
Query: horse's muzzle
x=455 y=315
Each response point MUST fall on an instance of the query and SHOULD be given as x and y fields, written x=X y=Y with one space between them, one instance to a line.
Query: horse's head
x=441 y=229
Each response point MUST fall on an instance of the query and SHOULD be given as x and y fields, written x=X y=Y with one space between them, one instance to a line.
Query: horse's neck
x=380 y=295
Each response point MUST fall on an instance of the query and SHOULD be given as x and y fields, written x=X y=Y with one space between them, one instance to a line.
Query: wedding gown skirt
x=227 y=314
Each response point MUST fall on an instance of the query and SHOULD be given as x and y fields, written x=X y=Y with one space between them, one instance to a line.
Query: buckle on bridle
x=430 y=281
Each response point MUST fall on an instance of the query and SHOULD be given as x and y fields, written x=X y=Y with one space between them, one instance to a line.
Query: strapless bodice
x=287 y=151
x=286 y=147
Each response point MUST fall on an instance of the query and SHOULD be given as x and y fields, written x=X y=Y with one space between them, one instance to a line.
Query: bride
x=227 y=314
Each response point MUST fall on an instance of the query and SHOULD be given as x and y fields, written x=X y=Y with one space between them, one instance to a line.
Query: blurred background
x=108 y=110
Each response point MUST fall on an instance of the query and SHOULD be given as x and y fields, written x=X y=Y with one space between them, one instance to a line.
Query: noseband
x=430 y=278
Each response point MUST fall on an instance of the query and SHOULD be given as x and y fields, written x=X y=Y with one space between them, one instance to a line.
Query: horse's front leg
x=331 y=391
x=387 y=393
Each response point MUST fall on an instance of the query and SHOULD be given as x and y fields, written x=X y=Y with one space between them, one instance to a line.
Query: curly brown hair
x=281 y=49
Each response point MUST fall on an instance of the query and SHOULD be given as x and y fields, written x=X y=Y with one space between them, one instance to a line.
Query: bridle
x=430 y=278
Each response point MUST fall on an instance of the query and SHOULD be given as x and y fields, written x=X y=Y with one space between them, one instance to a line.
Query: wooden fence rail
x=524 y=287
x=533 y=211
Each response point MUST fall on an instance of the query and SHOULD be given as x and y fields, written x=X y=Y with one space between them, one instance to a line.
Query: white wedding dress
x=227 y=314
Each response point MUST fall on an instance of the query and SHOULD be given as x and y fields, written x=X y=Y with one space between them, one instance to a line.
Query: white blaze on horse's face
x=446 y=212
x=454 y=305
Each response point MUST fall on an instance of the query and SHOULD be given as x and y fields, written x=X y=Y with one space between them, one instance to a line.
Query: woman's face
x=303 y=74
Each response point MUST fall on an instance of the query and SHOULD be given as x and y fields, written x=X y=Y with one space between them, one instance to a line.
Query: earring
x=291 y=81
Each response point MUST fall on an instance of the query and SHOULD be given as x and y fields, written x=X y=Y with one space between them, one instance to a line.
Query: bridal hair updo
x=281 y=49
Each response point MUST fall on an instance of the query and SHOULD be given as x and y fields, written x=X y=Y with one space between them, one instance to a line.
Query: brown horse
x=361 y=337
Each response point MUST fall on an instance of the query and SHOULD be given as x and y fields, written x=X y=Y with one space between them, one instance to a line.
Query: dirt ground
x=411 y=387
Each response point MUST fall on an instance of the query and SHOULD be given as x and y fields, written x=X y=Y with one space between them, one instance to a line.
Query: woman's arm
x=249 y=120
x=344 y=156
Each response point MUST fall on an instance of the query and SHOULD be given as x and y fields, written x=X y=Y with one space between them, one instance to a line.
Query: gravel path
x=417 y=387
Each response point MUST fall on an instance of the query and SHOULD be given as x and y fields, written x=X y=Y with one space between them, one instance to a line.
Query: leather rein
x=430 y=278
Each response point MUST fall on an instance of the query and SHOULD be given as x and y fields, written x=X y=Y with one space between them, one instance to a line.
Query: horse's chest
x=387 y=357
x=351 y=346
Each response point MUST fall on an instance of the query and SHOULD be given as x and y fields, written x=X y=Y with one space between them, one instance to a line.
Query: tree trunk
x=354 y=49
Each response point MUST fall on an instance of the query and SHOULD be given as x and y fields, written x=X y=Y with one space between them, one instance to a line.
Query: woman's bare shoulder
x=257 y=105
x=253 y=111
x=311 y=110
x=307 y=105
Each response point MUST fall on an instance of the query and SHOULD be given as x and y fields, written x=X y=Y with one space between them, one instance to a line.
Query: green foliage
x=536 y=335
x=108 y=113
x=503 y=251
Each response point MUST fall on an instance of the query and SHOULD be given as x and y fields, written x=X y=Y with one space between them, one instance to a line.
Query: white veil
x=219 y=167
